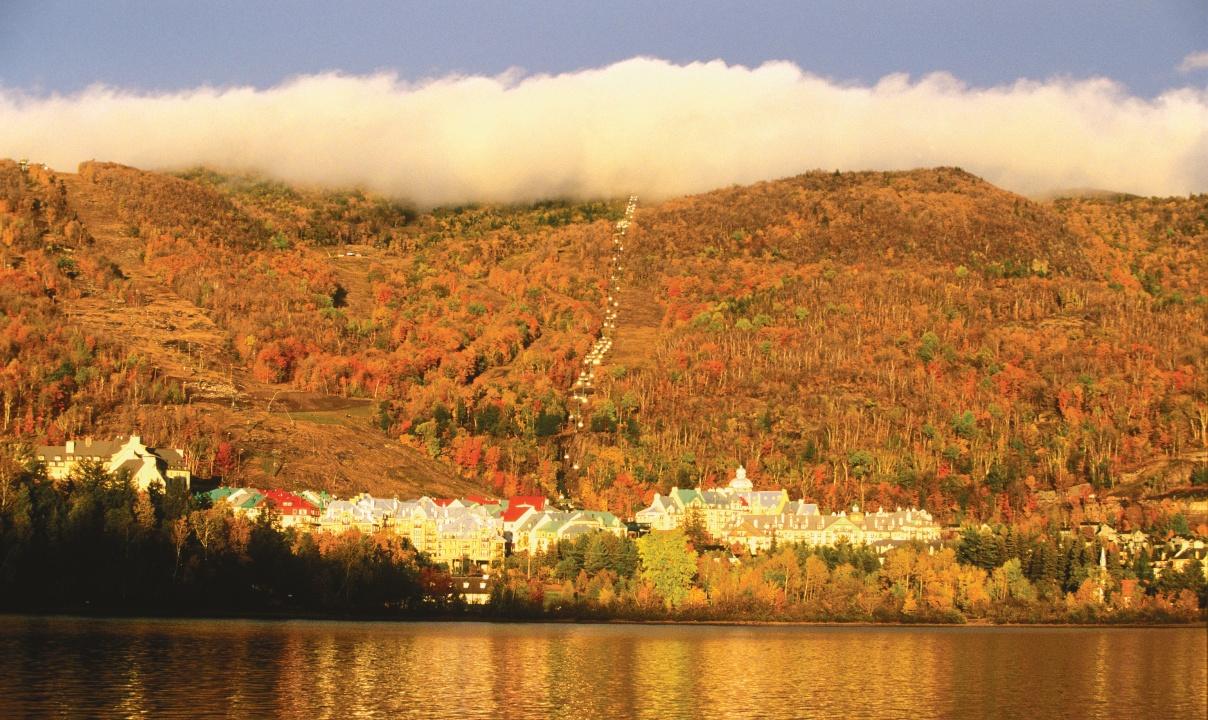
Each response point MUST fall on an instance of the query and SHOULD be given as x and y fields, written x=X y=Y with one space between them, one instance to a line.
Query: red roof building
x=292 y=508
x=519 y=505
x=536 y=502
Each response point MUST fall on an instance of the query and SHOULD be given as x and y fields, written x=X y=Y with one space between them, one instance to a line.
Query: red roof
x=290 y=504
x=513 y=514
x=519 y=504
x=479 y=499
x=536 y=502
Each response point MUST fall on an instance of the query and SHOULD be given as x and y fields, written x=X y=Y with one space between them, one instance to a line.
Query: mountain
x=940 y=215
x=893 y=338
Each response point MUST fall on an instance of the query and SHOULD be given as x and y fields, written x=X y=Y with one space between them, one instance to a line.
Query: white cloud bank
x=1194 y=61
x=641 y=125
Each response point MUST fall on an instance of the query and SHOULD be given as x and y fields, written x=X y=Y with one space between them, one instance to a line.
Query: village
x=471 y=535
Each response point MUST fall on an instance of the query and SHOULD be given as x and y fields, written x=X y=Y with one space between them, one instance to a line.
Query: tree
x=1008 y=581
x=606 y=551
x=570 y=557
x=814 y=577
x=900 y=570
x=694 y=529
x=226 y=460
x=668 y=564
x=1191 y=578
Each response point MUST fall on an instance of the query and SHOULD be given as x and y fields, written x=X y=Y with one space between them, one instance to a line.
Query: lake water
x=69 y=667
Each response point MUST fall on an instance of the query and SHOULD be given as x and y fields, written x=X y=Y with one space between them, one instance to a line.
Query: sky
x=173 y=82
x=58 y=46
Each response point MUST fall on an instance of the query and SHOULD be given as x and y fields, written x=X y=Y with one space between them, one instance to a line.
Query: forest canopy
x=909 y=338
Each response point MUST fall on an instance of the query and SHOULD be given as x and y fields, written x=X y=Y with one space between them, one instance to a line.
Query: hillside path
x=640 y=313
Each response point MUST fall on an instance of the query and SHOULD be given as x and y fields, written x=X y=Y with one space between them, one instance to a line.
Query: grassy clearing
x=350 y=416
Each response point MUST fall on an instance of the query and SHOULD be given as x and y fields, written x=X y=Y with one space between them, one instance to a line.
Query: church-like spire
x=740 y=483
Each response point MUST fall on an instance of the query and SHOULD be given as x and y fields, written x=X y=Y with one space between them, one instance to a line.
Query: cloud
x=642 y=125
x=1194 y=61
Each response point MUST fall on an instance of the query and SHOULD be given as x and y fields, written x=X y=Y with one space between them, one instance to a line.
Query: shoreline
x=362 y=619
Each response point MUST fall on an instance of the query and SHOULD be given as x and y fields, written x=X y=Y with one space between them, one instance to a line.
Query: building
x=718 y=510
x=460 y=533
x=466 y=539
x=663 y=513
x=1177 y=553
x=739 y=515
x=146 y=466
x=362 y=512
x=538 y=532
x=294 y=510
x=803 y=524
x=518 y=509
x=246 y=502
x=472 y=589
x=317 y=498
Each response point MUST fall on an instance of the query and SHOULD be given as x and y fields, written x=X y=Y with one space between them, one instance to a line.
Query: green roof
x=252 y=501
x=320 y=497
x=604 y=517
x=551 y=527
x=685 y=496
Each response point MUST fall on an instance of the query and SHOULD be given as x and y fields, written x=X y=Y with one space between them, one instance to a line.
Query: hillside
x=129 y=351
x=892 y=338
x=940 y=215
x=873 y=365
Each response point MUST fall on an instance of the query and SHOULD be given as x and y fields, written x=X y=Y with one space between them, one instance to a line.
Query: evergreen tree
x=695 y=531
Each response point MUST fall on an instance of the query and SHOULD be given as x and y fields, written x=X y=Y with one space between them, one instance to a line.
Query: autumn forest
x=892 y=339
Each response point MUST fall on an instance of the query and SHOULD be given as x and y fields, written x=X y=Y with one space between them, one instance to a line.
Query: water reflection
x=61 y=667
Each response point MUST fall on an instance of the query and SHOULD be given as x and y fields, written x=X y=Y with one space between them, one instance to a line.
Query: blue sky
x=415 y=99
x=49 y=46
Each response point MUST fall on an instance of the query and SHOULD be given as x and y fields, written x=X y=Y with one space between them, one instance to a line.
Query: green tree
x=668 y=563
x=606 y=551
x=929 y=346
x=570 y=555
x=1191 y=577
x=964 y=425
x=695 y=531
x=548 y=422
x=1008 y=581
x=861 y=463
x=605 y=418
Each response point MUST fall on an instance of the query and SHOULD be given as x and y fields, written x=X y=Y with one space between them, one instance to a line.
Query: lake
x=74 y=667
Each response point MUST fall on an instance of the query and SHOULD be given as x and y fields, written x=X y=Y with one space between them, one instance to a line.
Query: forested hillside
x=918 y=338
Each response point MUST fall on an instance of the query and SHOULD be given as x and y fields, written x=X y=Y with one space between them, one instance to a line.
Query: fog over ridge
x=642 y=125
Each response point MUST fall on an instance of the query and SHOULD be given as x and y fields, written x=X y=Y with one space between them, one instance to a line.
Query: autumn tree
x=668 y=564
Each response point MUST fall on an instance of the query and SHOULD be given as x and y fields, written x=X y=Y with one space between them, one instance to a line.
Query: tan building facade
x=146 y=466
